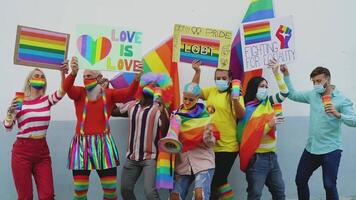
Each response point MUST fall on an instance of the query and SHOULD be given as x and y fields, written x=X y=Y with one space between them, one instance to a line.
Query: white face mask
x=222 y=85
x=261 y=93
x=319 y=88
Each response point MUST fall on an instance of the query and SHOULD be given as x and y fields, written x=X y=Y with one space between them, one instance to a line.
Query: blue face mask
x=222 y=85
x=319 y=88
x=261 y=94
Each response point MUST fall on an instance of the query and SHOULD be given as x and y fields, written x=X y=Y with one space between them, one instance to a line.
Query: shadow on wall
x=291 y=141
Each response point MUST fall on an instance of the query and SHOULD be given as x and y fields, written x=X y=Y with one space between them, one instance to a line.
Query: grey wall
x=291 y=141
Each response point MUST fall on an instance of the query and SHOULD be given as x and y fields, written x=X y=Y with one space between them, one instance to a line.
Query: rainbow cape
x=251 y=127
x=192 y=127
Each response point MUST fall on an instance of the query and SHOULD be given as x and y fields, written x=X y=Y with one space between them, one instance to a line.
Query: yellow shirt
x=224 y=118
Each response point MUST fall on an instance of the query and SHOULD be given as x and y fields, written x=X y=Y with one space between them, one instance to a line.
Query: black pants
x=223 y=164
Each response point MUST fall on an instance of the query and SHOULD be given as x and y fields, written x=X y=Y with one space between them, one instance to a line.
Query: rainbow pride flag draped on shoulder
x=191 y=132
x=250 y=129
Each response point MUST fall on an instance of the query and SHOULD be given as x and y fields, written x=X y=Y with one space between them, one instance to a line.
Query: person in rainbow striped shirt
x=256 y=133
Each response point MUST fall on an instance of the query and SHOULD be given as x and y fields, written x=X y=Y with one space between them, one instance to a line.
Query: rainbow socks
x=226 y=192
x=109 y=187
x=81 y=185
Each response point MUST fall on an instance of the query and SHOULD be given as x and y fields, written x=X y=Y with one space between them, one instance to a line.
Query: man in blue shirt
x=324 y=141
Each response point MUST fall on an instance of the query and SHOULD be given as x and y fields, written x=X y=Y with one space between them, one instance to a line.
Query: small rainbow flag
x=236 y=84
x=277 y=107
x=203 y=49
x=20 y=96
x=257 y=32
x=40 y=48
x=326 y=100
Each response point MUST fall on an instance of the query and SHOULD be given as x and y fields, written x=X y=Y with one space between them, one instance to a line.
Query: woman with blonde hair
x=30 y=153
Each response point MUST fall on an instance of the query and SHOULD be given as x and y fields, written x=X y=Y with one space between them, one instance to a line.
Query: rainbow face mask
x=148 y=90
x=90 y=84
x=37 y=83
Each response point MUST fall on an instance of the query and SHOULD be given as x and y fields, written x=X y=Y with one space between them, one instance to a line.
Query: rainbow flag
x=159 y=60
x=203 y=49
x=40 y=48
x=250 y=129
x=257 y=32
x=258 y=10
x=193 y=124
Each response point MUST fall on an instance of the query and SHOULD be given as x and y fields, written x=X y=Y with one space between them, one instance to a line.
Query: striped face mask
x=37 y=83
x=90 y=84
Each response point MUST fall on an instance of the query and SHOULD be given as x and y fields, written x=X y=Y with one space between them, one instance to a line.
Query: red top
x=95 y=119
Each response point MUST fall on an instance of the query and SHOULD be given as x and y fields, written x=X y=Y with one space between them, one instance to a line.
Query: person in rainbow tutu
x=93 y=147
x=148 y=122
x=191 y=122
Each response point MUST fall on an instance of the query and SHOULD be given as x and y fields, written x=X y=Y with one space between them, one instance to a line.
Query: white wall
x=325 y=33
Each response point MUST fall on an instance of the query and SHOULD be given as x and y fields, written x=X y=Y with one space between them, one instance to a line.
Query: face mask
x=37 y=83
x=222 y=85
x=319 y=88
x=261 y=94
x=90 y=84
x=148 y=91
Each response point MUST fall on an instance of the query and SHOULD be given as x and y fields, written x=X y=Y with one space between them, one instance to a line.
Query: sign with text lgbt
x=108 y=48
x=40 y=48
x=266 y=39
x=210 y=46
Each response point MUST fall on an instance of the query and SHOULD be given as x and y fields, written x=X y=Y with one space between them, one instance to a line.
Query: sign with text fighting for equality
x=267 y=39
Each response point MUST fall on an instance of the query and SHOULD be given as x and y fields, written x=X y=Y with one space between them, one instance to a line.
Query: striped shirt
x=269 y=144
x=144 y=130
x=34 y=117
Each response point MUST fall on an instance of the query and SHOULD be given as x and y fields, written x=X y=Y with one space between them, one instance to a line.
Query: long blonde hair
x=27 y=87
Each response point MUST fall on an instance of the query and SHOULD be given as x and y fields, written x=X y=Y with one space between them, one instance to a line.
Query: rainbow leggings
x=107 y=179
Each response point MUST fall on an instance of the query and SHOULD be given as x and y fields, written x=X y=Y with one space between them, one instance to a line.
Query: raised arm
x=239 y=108
x=196 y=66
x=58 y=95
x=298 y=96
x=283 y=89
x=121 y=95
x=67 y=86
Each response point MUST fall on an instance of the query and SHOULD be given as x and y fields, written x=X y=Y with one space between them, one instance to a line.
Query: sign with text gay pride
x=210 y=46
x=108 y=48
x=267 y=39
x=40 y=48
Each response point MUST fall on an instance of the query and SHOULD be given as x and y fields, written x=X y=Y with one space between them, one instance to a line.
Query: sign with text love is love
x=210 y=46
x=108 y=48
x=267 y=39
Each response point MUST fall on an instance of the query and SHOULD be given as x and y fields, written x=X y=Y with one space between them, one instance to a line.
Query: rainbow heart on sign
x=93 y=51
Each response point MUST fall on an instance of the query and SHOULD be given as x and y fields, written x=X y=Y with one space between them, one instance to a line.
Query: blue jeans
x=308 y=163
x=263 y=170
x=202 y=180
